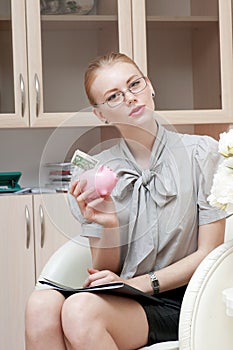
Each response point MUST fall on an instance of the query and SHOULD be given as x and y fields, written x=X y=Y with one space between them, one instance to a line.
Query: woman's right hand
x=100 y=210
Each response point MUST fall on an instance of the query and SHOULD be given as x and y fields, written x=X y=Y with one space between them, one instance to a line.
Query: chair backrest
x=229 y=229
x=68 y=265
x=204 y=324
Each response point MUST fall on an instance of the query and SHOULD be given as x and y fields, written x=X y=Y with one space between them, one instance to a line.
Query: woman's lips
x=137 y=111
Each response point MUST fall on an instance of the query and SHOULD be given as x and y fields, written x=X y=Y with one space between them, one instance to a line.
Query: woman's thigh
x=124 y=318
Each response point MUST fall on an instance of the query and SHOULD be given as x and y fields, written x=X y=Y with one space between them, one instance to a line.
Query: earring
x=153 y=94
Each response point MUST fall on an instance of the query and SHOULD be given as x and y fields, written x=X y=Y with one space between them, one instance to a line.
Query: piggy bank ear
x=102 y=168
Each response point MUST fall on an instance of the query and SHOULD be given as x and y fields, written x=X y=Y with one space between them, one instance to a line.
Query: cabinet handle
x=42 y=227
x=37 y=87
x=22 y=90
x=28 y=227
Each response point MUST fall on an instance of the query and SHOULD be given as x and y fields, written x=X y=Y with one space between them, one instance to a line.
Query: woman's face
x=135 y=107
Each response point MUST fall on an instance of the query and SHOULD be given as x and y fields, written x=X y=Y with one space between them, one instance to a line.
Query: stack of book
x=59 y=176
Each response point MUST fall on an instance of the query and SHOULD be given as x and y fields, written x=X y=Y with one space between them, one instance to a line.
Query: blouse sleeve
x=207 y=160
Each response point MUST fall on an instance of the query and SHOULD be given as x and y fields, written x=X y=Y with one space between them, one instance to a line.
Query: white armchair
x=204 y=324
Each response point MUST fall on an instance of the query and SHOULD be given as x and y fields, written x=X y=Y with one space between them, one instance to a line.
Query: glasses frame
x=122 y=92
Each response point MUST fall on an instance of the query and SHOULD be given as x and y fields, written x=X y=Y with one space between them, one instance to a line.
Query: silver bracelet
x=154 y=282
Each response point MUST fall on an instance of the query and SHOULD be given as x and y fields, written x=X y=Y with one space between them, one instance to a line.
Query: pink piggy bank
x=103 y=179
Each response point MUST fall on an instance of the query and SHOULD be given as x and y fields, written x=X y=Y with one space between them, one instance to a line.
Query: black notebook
x=119 y=288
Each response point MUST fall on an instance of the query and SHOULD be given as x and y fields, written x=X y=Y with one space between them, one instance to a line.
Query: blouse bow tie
x=151 y=188
x=159 y=183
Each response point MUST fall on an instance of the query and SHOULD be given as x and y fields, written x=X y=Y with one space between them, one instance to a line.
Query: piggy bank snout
x=103 y=180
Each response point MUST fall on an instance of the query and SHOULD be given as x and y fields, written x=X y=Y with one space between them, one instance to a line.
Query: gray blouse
x=160 y=208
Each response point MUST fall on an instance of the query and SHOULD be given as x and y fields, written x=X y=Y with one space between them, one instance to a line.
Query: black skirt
x=162 y=314
x=163 y=319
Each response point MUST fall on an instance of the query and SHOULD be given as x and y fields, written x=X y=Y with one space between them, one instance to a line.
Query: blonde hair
x=99 y=63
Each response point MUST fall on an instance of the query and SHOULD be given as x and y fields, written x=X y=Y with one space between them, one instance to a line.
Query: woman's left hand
x=100 y=210
x=97 y=277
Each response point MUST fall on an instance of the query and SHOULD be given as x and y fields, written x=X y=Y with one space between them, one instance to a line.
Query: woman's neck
x=140 y=142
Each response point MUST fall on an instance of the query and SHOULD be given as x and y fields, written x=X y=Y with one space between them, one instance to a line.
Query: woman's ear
x=99 y=115
x=150 y=86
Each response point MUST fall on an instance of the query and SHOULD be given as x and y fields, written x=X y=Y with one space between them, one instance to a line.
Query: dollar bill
x=84 y=160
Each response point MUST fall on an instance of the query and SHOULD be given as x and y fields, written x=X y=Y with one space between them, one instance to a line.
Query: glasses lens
x=137 y=85
x=115 y=99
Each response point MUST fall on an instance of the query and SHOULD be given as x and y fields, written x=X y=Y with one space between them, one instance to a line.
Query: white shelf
x=78 y=18
x=182 y=18
x=181 y=21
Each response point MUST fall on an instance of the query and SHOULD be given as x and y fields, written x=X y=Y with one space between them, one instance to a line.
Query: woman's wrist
x=154 y=282
x=142 y=283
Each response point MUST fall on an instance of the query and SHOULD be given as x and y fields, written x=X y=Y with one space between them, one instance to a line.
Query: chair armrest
x=203 y=312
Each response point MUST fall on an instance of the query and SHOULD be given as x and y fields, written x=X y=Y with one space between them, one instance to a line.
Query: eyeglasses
x=118 y=97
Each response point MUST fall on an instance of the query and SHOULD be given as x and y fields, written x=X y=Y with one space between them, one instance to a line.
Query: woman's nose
x=129 y=97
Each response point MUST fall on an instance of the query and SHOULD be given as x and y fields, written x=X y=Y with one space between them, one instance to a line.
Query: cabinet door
x=17 y=276
x=185 y=47
x=54 y=225
x=13 y=65
x=59 y=48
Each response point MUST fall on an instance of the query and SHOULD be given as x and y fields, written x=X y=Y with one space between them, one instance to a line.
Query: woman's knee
x=43 y=312
x=80 y=313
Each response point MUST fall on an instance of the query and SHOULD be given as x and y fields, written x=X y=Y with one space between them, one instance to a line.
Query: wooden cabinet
x=59 y=48
x=186 y=49
x=32 y=228
x=45 y=58
x=14 y=110
x=184 y=46
x=17 y=267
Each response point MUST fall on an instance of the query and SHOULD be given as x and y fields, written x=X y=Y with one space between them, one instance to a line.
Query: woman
x=152 y=232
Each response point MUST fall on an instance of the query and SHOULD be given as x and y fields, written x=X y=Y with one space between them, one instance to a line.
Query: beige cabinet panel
x=17 y=266
x=54 y=225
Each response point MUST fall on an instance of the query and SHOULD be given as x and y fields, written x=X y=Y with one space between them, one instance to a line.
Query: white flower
x=226 y=144
x=221 y=195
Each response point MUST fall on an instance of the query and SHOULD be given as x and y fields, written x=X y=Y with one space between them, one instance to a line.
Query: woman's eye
x=113 y=97
x=134 y=84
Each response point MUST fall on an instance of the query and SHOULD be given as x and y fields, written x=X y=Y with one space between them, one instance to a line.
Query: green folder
x=9 y=181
